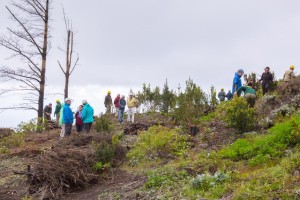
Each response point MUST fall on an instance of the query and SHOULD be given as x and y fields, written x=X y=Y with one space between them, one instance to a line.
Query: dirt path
x=122 y=185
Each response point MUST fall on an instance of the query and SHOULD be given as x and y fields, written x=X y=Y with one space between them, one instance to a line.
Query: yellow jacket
x=131 y=103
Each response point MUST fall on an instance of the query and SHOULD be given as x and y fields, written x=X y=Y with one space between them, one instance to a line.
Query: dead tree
x=29 y=41
x=68 y=69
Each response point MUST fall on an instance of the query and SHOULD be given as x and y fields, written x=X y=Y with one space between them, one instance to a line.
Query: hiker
x=108 y=102
x=57 y=110
x=250 y=83
x=122 y=104
x=266 y=79
x=229 y=95
x=68 y=117
x=289 y=74
x=117 y=104
x=61 y=122
x=48 y=111
x=237 y=82
x=87 y=116
x=249 y=95
x=79 y=122
x=131 y=104
x=222 y=95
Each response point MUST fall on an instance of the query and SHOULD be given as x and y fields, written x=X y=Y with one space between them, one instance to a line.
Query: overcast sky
x=123 y=44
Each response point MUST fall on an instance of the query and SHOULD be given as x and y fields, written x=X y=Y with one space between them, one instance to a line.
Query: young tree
x=67 y=71
x=28 y=40
x=168 y=99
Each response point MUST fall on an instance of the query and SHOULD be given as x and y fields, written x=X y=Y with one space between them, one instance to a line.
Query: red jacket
x=79 y=121
x=117 y=102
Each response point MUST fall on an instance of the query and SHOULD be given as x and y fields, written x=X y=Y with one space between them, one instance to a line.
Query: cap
x=67 y=99
x=84 y=102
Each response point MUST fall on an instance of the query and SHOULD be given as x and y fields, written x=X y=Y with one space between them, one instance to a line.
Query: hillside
x=230 y=152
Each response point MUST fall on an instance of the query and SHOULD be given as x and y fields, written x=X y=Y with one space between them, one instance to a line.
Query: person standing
x=289 y=74
x=57 y=110
x=117 y=104
x=108 y=102
x=132 y=104
x=229 y=95
x=48 y=111
x=222 y=95
x=249 y=95
x=266 y=79
x=79 y=122
x=87 y=116
x=68 y=117
x=122 y=104
x=61 y=122
x=237 y=82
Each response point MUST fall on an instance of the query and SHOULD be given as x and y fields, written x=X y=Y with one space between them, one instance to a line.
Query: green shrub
x=11 y=141
x=237 y=114
x=104 y=152
x=103 y=124
x=261 y=148
x=158 y=142
x=206 y=181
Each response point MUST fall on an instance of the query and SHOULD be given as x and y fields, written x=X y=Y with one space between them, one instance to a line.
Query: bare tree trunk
x=44 y=62
x=69 y=56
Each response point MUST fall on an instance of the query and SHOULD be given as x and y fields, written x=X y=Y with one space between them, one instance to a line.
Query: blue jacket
x=87 y=114
x=236 y=82
x=67 y=114
x=229 y=96
x=122 y=104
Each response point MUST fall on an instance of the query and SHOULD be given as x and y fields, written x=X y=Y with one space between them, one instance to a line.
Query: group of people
x=120 y=104
x=84 y=116
x=249 y=89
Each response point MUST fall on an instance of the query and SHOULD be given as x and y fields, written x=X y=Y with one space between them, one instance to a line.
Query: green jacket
x=246 y=90
x=57 y=108
x=61 y=121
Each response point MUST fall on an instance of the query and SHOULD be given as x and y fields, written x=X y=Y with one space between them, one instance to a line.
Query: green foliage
x=191 y=104
x=11 y=141
x=261 y=148
x=103 y=124
x=32 y=126
x=164 y=177
x=168 y=99
x=104 y=152
x=99 y=166
x=213 y=101
x=158 y=142
x=206 y=181
x=237 y=114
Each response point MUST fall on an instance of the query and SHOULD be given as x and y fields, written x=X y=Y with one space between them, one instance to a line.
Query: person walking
x=68 y=117
x=48 y=111
x=57 y=110
x=131 y=104
x=122 y=104
x=237 y=82
x=108 y=102
x=229 y=95
x=79 y=122
x=117 y=104
x=266 y=80
x=222 y=95
x=249 y=95
x=87 y=116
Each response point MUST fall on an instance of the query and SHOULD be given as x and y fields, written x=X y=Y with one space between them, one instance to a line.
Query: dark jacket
x=108 y=100
x=229 y=96
x=57 y=108
x=222 y=95
x=122 y=104
x=48 y=109
x=67 y=114
x=266 y=78
x=79 y=121
x=117 y=101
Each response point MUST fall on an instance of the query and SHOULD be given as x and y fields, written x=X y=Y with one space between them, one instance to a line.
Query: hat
x=84 y=102
x=67 y=99
x=108 y=92
x=292 y=67
x=241 y=71
x=57 y=101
